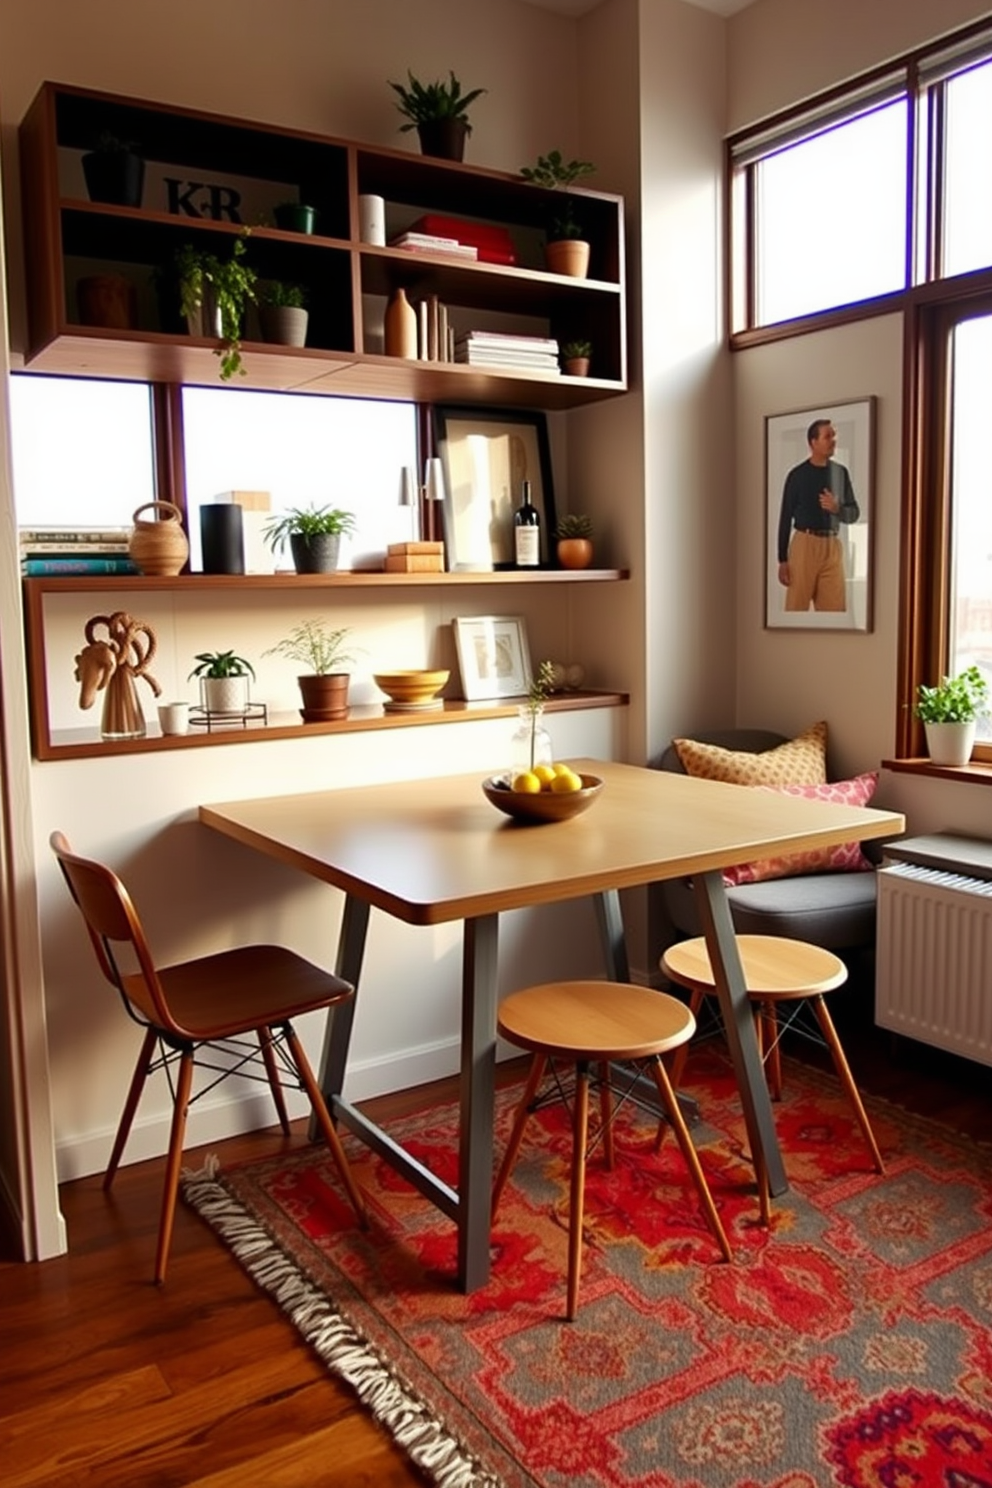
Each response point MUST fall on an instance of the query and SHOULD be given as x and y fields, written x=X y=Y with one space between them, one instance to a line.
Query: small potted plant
x=213 y=296
x=282 y=313
x=950 y=712
x=567 y=250
x=439 y=113
x=574 y=534
x=314 y=535
x=324 y=684
x=115 y=171
x=575 y=357
x=223 y=678
x=295 y=217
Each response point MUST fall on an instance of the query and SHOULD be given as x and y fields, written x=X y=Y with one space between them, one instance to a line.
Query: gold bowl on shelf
x=411 y=689
x=541 y=806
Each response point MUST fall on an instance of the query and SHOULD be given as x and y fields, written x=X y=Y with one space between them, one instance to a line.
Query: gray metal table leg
x=714 y=912
x=477 y=1097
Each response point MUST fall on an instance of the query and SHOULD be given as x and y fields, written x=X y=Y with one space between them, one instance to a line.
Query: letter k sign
x=218 y=203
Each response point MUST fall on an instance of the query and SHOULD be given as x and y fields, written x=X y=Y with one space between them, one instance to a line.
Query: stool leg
x=534 y=1075
x=606 y=1113
x=272 y=1070
x=691 y=1157
x=579 y=1139
x=769 y=1043
x=846 y=1078
x=682 y=1052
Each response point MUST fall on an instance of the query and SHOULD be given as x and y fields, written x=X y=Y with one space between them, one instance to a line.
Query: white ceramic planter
x=224 y=694
x=950 y=743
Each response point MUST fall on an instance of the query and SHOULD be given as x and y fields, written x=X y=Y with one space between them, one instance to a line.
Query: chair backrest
x=112 y=923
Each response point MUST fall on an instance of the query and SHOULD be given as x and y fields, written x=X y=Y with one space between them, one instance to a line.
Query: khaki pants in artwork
x=816 y=571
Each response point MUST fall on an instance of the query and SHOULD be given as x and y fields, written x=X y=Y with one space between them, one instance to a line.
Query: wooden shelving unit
x=348 y=281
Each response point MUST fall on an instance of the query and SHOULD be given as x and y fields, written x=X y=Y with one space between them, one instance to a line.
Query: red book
x=494 y=243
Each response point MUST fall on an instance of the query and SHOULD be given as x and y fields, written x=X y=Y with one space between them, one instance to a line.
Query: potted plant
x=324 y=685
x=115 y=171
x=950 y=712
x=575 y=356
x=439 y=113
x=282 y=313
x=213 y=296
x=314 y=535
x=295 y=217
x=574 y=534
x=223 y=678
x=567 y=250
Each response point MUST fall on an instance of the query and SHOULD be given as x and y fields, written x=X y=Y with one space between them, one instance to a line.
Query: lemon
x=565 y=783
x=545 y=774
x=563 y=769
x=526 y=783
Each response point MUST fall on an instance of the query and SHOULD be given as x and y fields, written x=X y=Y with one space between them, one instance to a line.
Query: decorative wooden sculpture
x=111 y=661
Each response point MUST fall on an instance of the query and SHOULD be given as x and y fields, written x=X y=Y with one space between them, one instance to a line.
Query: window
x=830 y=217
x=81 y=450
x=967 y=211
x=304 y=450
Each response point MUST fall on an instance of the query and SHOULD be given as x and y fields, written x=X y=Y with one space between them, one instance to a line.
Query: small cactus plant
x=573 y=525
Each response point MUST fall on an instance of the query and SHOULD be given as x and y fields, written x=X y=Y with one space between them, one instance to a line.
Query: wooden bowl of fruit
x=552 y=793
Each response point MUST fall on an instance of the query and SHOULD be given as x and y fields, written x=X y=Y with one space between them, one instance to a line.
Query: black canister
x=222 y=538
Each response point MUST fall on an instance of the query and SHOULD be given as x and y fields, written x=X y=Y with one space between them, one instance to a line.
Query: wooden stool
x=776 y=970
x=594 y=1023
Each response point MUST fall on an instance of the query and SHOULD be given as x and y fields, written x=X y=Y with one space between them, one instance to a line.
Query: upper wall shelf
x=207 y=176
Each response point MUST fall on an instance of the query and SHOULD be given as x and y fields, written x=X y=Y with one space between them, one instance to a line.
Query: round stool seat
x=595 y=1020
x=773 y=966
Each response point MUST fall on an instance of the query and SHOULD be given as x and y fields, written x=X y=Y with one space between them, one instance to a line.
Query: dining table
x=434 y=851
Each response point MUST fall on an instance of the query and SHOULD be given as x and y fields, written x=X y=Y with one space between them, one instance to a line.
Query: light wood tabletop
x=435 y=850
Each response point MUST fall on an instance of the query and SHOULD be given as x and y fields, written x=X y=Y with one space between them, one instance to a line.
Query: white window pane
x=967 y=202
x=81 y=450
x=305 y=451
x=971 y=521
x=831 y=215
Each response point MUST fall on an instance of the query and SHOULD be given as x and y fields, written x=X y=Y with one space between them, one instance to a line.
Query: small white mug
x=174 y=718
x=372 y=220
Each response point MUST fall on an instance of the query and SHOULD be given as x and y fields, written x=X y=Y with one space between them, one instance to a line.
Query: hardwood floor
x=106 y=1380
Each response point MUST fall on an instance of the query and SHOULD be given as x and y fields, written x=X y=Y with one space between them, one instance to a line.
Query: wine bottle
x=527 y=532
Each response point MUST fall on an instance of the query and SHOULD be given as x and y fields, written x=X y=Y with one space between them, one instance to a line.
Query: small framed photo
x=493 y=656
x=818 y=473
x=487 y=454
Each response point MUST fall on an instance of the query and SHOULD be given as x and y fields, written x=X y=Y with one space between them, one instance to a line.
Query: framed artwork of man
x=818 y=480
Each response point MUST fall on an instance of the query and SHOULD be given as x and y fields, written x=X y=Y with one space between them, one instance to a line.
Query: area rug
x=850 y=1344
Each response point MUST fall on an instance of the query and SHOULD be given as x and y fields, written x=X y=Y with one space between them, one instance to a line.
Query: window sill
x=976 y=772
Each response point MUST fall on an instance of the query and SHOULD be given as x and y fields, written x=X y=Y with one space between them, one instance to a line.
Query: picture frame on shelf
x=493 y=656
x=837 y=539
x=487 y=454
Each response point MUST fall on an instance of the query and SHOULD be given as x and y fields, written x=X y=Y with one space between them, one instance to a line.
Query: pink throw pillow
x=847 y=858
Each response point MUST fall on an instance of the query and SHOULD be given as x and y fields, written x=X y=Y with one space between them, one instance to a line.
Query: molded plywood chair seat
x=208 y=1004
x=776 y=969
x=595 y=1023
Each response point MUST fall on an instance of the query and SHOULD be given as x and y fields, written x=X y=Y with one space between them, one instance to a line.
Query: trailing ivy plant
x=231 y=284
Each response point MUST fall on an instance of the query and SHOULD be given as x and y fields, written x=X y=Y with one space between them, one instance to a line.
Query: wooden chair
x=595 y=1023
x=212 y=1002
x=776 y=969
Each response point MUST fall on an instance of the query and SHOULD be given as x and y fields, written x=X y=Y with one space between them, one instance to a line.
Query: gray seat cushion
x=833 y=910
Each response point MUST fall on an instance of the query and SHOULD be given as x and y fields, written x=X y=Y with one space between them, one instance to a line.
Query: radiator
x=934 y=963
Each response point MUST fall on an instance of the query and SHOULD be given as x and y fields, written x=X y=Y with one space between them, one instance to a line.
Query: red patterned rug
x=850 y=1345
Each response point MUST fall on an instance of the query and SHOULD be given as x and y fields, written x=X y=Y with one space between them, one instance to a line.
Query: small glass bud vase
x=531 y=742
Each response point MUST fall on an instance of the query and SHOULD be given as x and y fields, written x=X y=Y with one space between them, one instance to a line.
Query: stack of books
x=495 y=349
x=435 y=334
x=493 y=243
x=415 y=557
x=415 y=242
x=75 y=550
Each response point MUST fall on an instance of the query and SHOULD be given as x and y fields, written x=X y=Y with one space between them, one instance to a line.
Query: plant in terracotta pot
x=574 y=534
x=213 y=296
x=439 y=113
x=223 y=678
x=567 y=249
x=114 y=171
x=324 y=684
x=314 y=535
x=282 y=312
x=575 y=357
x=950 y=712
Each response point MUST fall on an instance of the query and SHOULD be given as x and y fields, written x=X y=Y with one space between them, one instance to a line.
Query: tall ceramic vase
x=400 y=327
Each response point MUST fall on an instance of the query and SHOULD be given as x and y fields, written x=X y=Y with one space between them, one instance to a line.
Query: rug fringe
x=426 y=1440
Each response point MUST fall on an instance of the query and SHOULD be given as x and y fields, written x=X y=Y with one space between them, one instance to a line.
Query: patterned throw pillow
x=800 y=761
x=847 y=858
